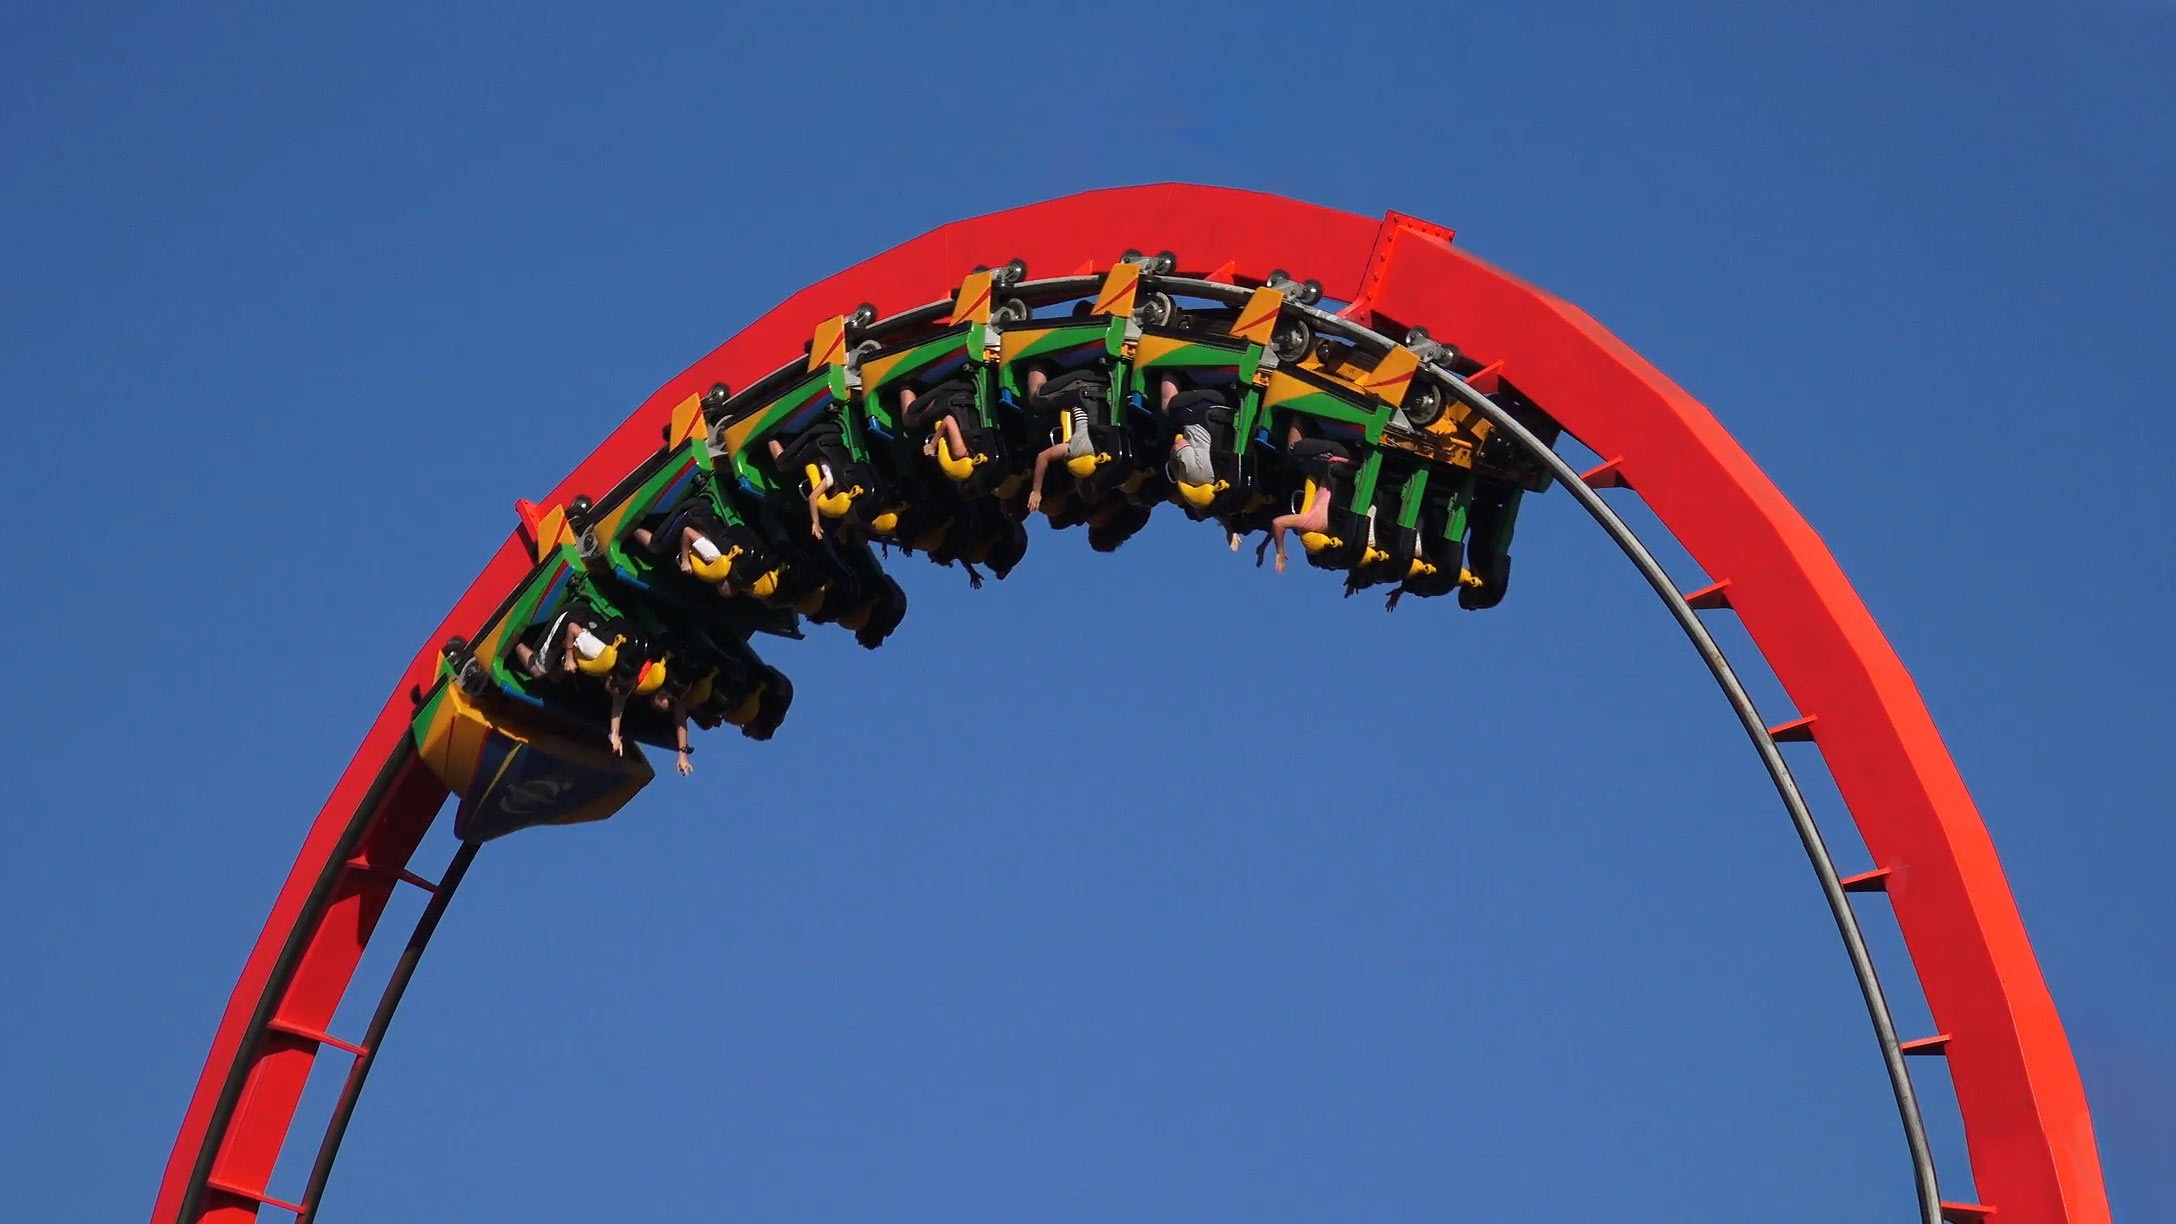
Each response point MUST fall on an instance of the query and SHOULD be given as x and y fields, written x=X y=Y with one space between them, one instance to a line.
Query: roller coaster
x=1357 y=391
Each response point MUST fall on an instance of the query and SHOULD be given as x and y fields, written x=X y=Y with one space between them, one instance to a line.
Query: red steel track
x=2030 y=1136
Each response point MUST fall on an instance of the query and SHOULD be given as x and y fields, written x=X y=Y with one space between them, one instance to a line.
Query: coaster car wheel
x=1430 y=350
x=474 y=678
x=1292 y=340
x=863 y=316
x=1424 y=404
x=1011 y=310
x=1155 y=310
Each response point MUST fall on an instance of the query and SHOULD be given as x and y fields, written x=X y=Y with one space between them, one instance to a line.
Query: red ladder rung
x=1710 y=597
x=1876 y=880
x=1608 y=476
x=1937 y=1044
x=308 y=1034
x=1489 y=379
x=252 y=1195
x=1796 y=731
x=1967 y=1213
x=402 y=874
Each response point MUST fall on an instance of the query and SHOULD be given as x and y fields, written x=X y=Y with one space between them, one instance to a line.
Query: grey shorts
x=1080 y=444
x=1191 y=465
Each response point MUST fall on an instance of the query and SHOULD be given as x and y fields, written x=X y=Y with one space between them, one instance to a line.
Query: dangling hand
x=685 y=766
x=619 y=748
x=1280 y=562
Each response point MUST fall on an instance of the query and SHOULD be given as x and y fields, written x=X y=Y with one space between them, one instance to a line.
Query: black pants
x=953 y=397
x=822 y=442
x=1317 y=456
x=665 y=541
x=1088 y=390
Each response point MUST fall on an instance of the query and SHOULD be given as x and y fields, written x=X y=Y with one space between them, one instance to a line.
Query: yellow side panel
x=1258 y=318
x=1458 y=419
x=1283 y=389
x=687 y=421
x=435 y=742
x=973 y=304
x=1116 y=295
x=1013 y=342
x=828 y=345
x=736 y=434
x=454 y=739
x=550 y=530
x=1393 y=375
x=874 y=369
x=1154 y=348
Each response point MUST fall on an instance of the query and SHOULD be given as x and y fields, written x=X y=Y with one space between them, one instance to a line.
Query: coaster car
x=559 y=647
x=808 y=442
x=720 y=679
x=912 y=389
x=511 y=773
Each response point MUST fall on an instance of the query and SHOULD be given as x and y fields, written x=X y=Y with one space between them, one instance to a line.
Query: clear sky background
x=1279 y=910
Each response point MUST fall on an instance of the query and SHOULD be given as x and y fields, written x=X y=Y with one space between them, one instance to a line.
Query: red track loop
x=2031 y=1140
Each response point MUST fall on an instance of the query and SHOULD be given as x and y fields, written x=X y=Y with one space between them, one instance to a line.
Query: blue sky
x=1309 y=914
